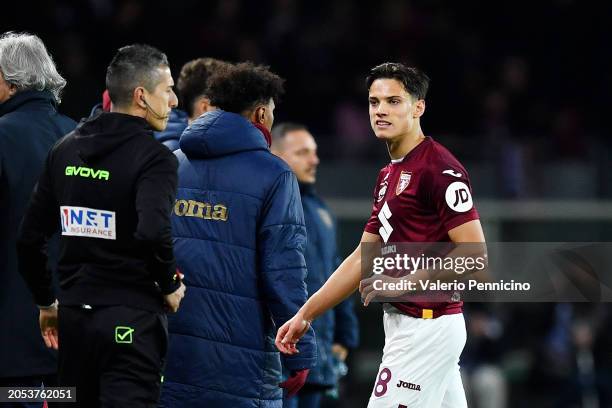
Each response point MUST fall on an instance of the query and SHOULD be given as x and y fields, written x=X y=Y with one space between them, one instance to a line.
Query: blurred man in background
x=337 y=329
x=191 y=86
x=113 y=186
x=239 y=236
x=30 y=89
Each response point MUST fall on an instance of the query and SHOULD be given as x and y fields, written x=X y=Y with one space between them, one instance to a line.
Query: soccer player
x=414 y=201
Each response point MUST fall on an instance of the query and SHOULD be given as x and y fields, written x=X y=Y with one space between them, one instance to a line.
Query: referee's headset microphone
x=149 y=108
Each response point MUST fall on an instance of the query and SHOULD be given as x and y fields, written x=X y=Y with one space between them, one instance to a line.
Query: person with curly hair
x=239 y=234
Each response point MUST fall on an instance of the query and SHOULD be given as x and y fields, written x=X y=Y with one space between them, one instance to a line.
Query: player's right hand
x=173 y=300
x=290 y=333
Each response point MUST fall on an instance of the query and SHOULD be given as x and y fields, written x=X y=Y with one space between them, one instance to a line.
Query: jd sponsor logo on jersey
x=404 y=180
x=409 y=385
x=88 y=222
x=87 y=172
x=458 y=197
x=206 y=211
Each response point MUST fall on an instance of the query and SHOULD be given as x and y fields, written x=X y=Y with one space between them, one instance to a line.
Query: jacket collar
x=220 y=133
x=27 y=97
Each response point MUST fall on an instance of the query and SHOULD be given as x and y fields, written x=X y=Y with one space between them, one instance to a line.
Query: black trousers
x=114 y=355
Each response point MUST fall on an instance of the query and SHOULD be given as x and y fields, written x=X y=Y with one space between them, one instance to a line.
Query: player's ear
x=261 y=114
x=419 y=108
x=258 y=115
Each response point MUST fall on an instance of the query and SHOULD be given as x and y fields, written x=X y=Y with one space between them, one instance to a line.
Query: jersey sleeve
x=449 y=193
x=373 y=224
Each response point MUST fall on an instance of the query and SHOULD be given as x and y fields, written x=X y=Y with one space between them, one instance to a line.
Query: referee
x=108 y=187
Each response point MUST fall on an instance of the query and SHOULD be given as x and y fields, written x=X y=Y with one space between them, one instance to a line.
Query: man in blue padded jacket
x=239 y=238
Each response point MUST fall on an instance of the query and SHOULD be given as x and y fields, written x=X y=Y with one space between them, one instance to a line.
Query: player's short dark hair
x=241 y=87
x=280 y=131
x=133 y=66
x=415 y=81
x=193 y=80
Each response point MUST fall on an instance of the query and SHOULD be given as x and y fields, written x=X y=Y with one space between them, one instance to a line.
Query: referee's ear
x=419 y=108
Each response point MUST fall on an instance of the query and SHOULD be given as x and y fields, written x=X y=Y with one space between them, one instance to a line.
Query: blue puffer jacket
x=239 y=239
x=340 y=324
x=176 y=125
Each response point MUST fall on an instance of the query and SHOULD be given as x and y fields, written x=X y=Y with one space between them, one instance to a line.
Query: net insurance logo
x=88 y=222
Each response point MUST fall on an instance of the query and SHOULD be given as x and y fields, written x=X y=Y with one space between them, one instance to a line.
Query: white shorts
x=420 y=363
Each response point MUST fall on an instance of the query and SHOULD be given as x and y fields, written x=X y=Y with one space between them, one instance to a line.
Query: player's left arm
x=471 y=244
x=450 y=194
x=470 y=231
x=470 y=241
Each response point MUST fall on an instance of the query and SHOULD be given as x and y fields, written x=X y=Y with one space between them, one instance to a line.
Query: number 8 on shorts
x=381 y=384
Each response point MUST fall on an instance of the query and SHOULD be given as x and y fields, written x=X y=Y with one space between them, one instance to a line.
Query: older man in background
x=30 y=89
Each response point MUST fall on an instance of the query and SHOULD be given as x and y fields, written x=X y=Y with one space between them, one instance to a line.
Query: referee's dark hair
x=242 y=87
x=415 y=81
x=133 y=66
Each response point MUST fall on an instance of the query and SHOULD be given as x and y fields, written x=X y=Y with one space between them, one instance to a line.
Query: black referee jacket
x=108 y=187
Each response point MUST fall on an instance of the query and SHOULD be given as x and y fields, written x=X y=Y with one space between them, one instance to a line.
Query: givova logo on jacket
x=206 y=211
x=88 y=222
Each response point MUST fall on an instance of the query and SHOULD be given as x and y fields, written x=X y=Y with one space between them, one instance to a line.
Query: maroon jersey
x=419 y=199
